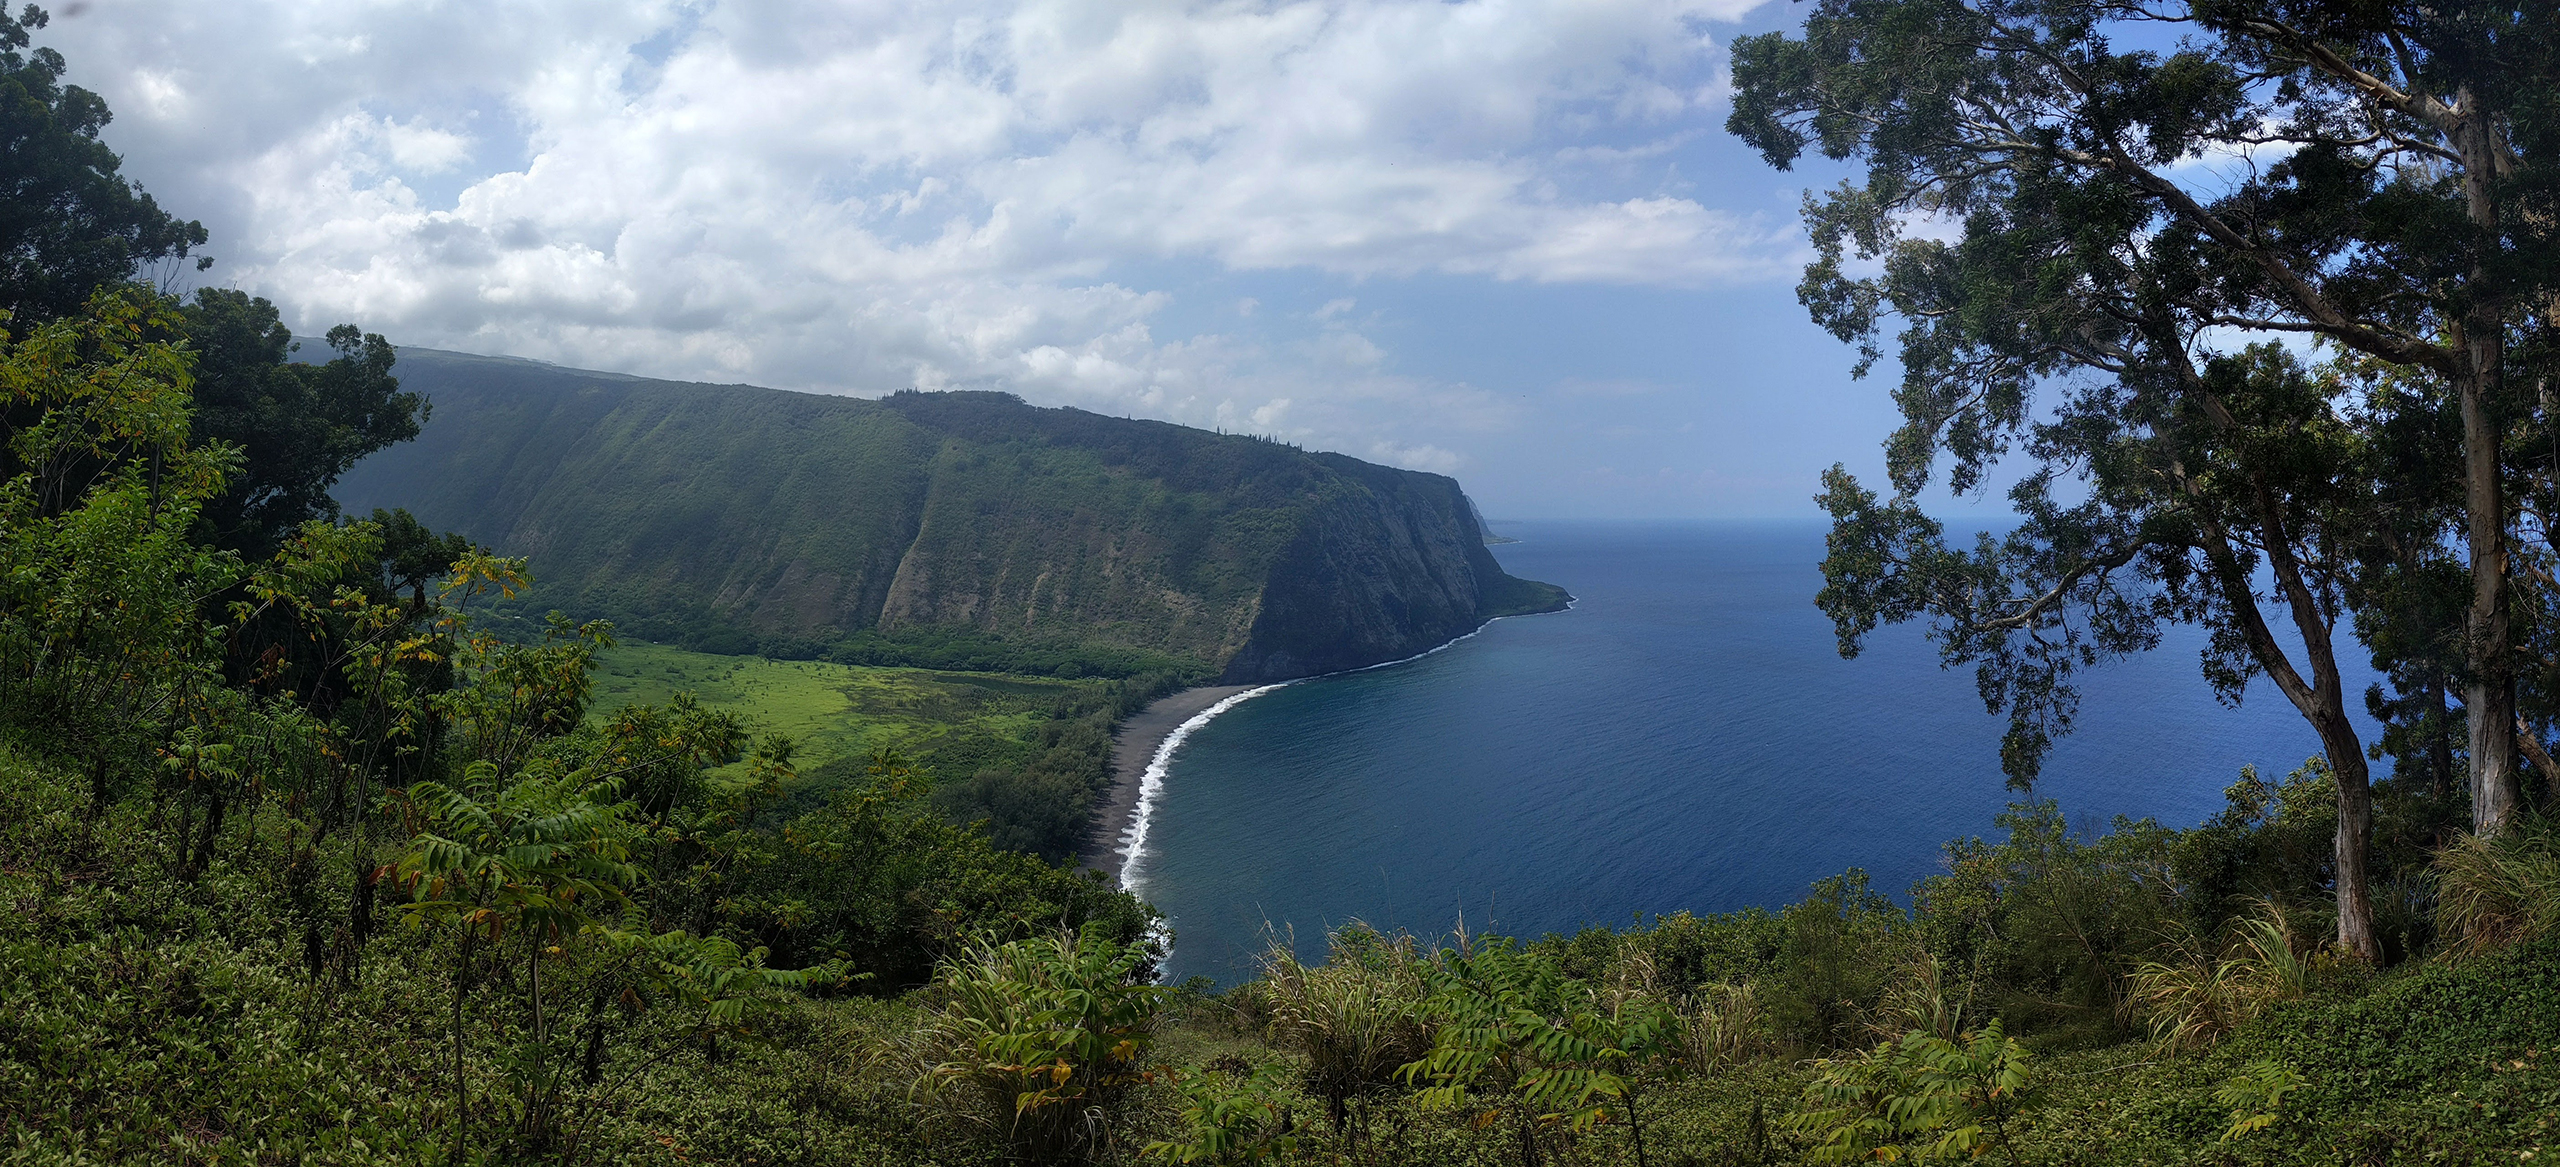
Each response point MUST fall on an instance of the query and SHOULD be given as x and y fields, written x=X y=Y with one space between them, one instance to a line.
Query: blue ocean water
x=1686 y=738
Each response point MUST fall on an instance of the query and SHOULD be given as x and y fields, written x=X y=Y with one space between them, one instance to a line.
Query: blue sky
x=1503 y=239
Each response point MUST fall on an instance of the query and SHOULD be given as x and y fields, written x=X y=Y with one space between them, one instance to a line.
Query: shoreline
x=1134 y=744
x=1140 y=745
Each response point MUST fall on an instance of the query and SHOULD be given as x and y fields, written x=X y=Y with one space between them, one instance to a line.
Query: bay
x=1686 y=738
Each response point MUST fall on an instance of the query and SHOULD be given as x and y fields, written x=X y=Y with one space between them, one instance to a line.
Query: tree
x=2092 y=259
x=69 y=223
x=298 y=426
x=416 y=558
x=533 y=857
x=102 y=598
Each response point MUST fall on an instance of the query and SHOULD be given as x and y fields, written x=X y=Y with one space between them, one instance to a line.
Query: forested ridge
x=939 y=528
x=316 y=848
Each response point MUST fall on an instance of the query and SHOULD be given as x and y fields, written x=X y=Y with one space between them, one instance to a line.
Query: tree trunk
x=1635 y=1122
x=212 y=834
x=2354 y=840
x=2489 y=691
x=2321 y=700
x=538 y=1106
x=2439 y=740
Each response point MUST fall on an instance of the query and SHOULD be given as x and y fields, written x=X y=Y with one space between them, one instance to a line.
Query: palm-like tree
x=533 y=857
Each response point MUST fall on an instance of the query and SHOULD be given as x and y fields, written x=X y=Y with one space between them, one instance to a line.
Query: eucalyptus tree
x=2089 y=246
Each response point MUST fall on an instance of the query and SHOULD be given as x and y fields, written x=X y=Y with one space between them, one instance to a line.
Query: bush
x=2196 y=997
x=1037 y=1043
x=2496 y=892
x=1842 y=944
x=2043 y=928
x=1925 y=1098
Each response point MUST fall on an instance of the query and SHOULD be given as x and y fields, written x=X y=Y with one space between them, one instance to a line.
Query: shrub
x=2044 y=927
x=1841 y=943
x=2496 y=892
x=2256 y=1096
x=1521 y=1044
x=1039 y=1042
x=1925 y=1098
x=1230 y=1117
x=2196 y=997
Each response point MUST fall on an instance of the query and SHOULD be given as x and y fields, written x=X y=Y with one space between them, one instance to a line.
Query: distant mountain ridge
x=738 y=517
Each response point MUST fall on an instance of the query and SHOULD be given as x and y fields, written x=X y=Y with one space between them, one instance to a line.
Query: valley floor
x=832 y=711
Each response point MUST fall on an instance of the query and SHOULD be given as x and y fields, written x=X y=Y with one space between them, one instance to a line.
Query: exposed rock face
x=677 y=507
x=1376 y=574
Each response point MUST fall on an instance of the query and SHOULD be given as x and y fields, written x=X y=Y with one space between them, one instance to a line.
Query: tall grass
x=2495 y=892
x=1357 y=1018
x=1919 y=1001
x=2196 y=996
x=1715 y=1025
x=1720 y=1026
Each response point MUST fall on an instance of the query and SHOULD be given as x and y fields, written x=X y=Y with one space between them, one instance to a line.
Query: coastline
x=1139 y=743
x=1133 y=746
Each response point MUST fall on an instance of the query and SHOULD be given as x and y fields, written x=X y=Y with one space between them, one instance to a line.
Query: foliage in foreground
x=204 y=848
x=1039 y=1042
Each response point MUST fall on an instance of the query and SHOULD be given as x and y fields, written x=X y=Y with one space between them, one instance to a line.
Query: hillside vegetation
x=1022 y=757
x=953 y=530
x=305 y=866
x=171 y=994
x=304 y=863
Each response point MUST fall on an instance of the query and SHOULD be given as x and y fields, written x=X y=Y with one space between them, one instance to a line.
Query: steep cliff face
x=672 y=507
x=1389 y=564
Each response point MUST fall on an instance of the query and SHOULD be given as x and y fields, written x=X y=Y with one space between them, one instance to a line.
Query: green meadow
x=836 y=712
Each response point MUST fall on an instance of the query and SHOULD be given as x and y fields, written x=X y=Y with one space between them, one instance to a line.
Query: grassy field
x=837 y=711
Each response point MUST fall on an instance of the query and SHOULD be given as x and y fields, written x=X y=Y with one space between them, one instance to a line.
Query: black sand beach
x=1133 y=745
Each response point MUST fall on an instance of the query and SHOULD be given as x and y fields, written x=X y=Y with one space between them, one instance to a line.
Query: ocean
x=1686 y=738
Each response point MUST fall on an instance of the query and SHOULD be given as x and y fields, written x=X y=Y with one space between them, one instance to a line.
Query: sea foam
x=1133 y=841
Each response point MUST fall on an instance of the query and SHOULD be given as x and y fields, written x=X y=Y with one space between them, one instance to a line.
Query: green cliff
x=735 y=517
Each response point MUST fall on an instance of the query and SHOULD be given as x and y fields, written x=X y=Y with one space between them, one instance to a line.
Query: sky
x=1507 y=240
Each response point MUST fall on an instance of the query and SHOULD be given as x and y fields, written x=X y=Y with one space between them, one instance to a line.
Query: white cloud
x=859 y=197
x=1431 y=458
